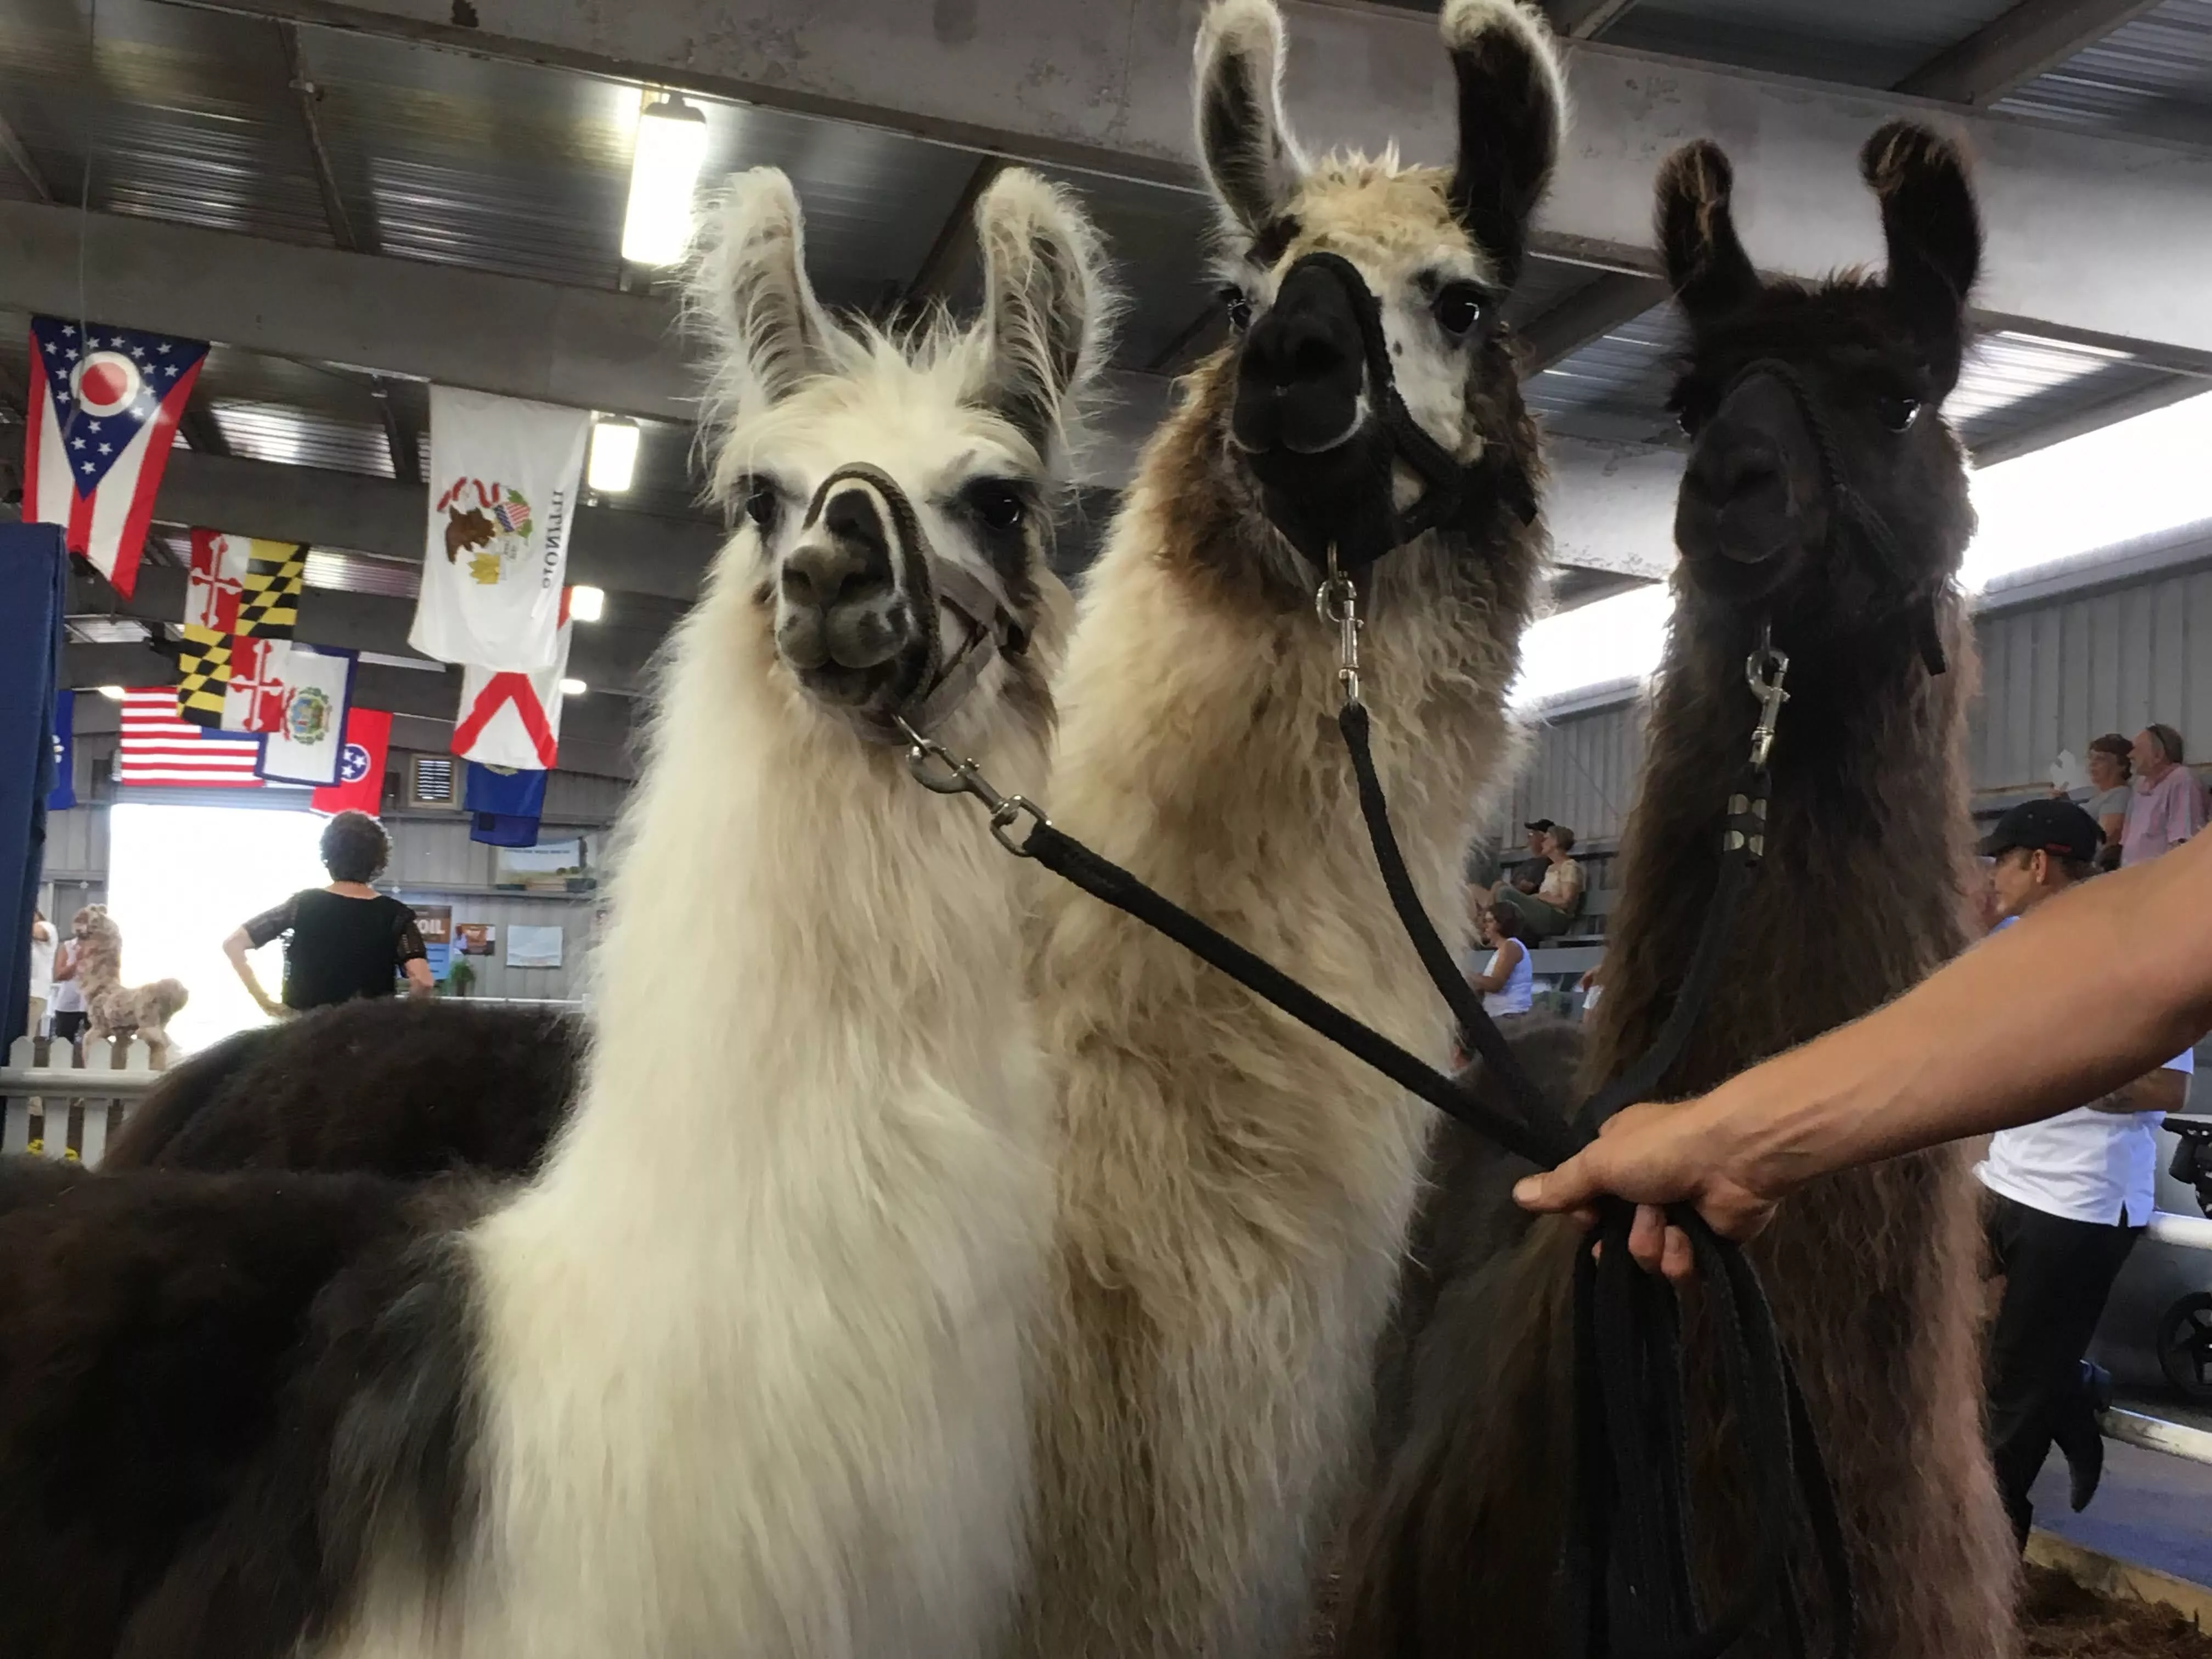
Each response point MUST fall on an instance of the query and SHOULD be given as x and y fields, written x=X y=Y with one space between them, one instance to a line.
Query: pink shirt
x=2162 y=815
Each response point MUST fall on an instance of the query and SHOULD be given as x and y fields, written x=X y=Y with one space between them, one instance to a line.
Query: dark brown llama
x=1824 y=498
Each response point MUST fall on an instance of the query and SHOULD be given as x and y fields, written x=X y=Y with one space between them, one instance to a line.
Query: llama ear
x=1251 y=159
x=748 y=288
x=1934 y=232
x=1512 y=114
x=1705 y=261
x=1047 y=304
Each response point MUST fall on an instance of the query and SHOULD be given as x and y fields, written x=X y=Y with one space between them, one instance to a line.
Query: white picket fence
x=62 y=1108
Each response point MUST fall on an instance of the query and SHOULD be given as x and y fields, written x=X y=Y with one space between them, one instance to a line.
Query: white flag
x=503 y=486
x=512 y=719
x=303 y=693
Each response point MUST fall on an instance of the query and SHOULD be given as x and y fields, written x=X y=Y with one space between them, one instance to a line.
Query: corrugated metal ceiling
x=2153 y=76
x=1868 y=43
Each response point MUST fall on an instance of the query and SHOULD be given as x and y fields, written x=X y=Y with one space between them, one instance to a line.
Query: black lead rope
x=1629 y=1569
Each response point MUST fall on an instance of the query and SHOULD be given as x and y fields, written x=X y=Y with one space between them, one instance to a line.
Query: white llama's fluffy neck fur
x=1234 y=1191
x=752 y=1348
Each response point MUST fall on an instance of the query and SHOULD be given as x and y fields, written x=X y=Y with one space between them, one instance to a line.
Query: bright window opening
x=180 y=877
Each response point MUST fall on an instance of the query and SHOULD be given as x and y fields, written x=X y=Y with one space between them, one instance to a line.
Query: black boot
x=2079 y=1437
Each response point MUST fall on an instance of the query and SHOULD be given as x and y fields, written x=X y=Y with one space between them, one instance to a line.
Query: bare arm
x=419 y=982
x=2083 y=996
x=235 y=948
x=1501 y=969
x=2161 y=1090
x=65 y=960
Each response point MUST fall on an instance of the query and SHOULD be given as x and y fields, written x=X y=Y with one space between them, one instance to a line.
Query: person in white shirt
x=2070 y=1197
x=1508 y=982
x=42 y=969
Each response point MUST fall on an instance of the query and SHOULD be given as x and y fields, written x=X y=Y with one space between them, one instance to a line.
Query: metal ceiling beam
x=1584 y=20
x=620 y=551
x=1106 y=88
x=954 y=248
x=595 y=730
x=2012 y=48
x=586 y=347
x=11 y=148
x=2143 y=400
x=1589 y=313
x=609 y=655
x=326 y=178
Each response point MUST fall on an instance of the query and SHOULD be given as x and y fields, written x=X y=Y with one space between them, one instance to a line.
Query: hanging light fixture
x=586 y=604
x=574 y=687
x=663 y=170
x=614 y=454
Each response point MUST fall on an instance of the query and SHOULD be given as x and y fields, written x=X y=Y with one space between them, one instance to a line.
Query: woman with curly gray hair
x=344 y=941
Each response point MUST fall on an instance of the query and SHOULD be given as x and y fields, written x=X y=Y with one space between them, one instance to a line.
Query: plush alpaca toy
x=115 y=1009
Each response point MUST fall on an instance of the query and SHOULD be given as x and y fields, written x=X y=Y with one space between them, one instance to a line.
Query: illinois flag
x=511 y=718
x=96 y=444
x=503 y=481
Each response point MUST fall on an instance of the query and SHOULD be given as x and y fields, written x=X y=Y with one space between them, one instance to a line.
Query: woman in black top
x=346 y=939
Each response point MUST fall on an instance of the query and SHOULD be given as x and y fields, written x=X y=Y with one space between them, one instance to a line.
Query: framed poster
x=533 y=946
x=435 y=923
x=476 y=938
x=554 y=866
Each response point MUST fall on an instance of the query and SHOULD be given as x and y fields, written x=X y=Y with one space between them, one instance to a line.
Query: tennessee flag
x=106 y=405
x=360 y=788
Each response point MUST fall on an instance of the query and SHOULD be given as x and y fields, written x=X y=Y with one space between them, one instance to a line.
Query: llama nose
x=840 y=594
x=1298 y=378
x=1737 y=498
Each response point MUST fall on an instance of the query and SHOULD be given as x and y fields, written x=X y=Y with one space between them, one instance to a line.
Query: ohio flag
x=96 y=445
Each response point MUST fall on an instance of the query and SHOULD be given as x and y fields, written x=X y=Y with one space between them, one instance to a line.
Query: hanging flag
x=514 y=719
x=158 y=748
x=96 y=442
x=503 y=479
x=217 y=579
x=240 y=585
x=504 y=804
x=360 y=788
x=302 y=695
x=269 y=596
x=64 y=794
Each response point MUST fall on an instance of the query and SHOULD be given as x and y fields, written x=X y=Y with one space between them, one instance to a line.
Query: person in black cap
x=2070 y=1197
x=1529 y=874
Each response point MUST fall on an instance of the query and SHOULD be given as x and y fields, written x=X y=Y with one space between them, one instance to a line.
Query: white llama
x=1234 y=1192
x=749 y=1357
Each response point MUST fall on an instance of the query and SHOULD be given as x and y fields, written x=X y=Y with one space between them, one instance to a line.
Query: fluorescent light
x=574 y=687
x=2135 y=477
x=113 y=693
x=586 y=604
x=664 y=168
x=614 y=454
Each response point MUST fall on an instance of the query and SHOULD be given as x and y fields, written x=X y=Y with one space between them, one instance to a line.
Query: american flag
x=160 y=749
x=96 y=445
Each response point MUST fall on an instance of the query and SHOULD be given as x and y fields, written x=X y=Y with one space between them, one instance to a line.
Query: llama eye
x=1897 y=413
x=1000 y=506
x=763 y=504
x=1239 y=308
x=1458 y=307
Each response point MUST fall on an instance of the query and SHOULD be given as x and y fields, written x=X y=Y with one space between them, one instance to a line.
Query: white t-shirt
x=2084 y=1165
x=68 y=994
x=42 y=964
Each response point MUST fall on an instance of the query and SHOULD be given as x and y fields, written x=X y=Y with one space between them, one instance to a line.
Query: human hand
x=1655 y=1156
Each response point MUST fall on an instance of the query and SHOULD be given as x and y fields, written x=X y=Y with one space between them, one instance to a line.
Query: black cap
x=2047 y=826
x=1542 y=826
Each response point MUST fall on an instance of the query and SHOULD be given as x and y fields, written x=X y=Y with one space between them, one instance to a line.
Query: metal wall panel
x=2057 y=674
x=1581 y=772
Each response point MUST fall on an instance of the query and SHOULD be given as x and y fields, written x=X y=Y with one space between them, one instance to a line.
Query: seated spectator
x=1508 y=981
x=2105 y=800
x=1546 y=913
x=1529 y=874
x=2168 y=805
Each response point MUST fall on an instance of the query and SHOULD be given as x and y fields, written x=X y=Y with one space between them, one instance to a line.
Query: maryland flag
x=269 y=595
x=219 y=678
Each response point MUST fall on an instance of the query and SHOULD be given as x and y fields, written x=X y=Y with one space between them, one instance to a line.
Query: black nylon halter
x=1455 y=495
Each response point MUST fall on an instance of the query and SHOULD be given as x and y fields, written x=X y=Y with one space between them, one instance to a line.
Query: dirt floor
x=2062 y=1620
